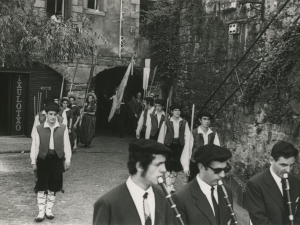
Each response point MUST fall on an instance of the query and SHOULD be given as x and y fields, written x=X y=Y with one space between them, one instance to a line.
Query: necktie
x=146 y=210
x=216 y=206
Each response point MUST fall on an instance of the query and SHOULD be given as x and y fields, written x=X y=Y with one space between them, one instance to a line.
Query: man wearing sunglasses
x=201 y=201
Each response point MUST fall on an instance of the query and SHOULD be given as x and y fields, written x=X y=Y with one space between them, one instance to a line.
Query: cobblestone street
x=94 y=171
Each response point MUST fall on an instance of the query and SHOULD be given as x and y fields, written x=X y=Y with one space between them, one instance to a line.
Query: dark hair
x=58 y=13
x=151 y=103
x=72 y=97
x=143 y=157
x=284 y=149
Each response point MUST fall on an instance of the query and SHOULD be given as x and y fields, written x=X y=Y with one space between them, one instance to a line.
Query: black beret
x=149 y=99
x=148 y=146
x=160 y=102
x=208 y=153
x=204 y=113
x=176 y=106
x=52 y=107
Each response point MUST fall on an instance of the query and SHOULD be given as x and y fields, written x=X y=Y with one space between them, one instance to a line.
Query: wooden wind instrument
x=288 y=196
x=220 y=183
x=170 y=200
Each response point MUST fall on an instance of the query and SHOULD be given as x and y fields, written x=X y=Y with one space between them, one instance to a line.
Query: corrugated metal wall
x=39 y=76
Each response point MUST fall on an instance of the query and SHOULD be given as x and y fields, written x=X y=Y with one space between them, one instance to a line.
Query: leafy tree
x=28 y=36
x=160 y=25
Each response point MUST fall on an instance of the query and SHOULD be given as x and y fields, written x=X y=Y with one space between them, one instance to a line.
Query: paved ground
x=93 y=173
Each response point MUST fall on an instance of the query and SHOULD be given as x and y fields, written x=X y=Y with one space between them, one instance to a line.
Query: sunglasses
x=219 y=170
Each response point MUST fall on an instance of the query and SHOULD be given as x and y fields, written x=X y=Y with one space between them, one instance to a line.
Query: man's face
x=155 y=170
x=209 y=176
x=90 y=98
x=72 y=100
x=139 y=95
x=176 y=113
x=132 y=98
x=159 y=108
x=205 y=121
x=151 y=95
x=51 y=117
x=65 y=104
x=282 y=165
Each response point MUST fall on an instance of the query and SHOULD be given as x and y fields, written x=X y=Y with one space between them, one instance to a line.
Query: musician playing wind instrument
x=266 y=191
x=138 y=201
x=202 y=201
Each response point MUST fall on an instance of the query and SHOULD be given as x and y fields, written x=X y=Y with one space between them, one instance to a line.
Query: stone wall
x=105 y=21
x=209 y=52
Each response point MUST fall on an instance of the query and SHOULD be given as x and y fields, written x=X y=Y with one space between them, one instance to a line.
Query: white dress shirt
x=277 y=180
x=206 y=189
x=186 y=155
x=137 y=194
x=141 y=121
x=67 y=146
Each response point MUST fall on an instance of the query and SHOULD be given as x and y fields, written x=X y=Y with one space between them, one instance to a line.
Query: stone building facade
x=214 y=34
x=105 y=16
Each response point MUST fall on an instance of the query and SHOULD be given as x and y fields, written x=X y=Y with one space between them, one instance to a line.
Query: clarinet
x=220 y=183
x=289 y=203
x=170 y=200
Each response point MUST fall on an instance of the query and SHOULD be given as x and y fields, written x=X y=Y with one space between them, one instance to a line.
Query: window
x=99 y=5
x=59 y=6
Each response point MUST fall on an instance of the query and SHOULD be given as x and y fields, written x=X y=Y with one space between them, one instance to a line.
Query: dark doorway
x=5 y=104
x=105 y=83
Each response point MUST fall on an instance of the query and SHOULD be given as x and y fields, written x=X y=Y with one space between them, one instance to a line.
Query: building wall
x=105 y=21
x=209 y=52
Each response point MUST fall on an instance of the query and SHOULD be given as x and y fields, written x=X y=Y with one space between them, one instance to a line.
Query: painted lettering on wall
x=19 y=104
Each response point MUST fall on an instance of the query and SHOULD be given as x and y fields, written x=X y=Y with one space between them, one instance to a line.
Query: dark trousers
x=114 y=123
x=194 y=170
x=49 y=173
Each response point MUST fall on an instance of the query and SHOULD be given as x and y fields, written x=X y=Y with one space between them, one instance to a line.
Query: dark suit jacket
x=265 y=201
x=195 y=209
x=117 y=207
x=137 y=107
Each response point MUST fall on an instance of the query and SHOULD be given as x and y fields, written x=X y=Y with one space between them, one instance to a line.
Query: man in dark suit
x=138 y=201
x=266 y=193
x=137 y=108
x=202 y=201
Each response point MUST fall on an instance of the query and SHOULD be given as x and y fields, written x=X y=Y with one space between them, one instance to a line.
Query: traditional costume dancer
x=174 y=133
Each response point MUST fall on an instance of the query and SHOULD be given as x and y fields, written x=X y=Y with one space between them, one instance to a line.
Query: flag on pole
x=117 y=98
x=146 y=78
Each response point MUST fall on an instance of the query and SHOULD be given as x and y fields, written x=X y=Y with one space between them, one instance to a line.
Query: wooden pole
x=154 y=72
x=62 y=87
x=40 y=99
x=34 y=106
x=193 y=113
x=74 y=77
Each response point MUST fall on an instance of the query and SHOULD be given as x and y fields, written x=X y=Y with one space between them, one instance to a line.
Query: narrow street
x=94 y=171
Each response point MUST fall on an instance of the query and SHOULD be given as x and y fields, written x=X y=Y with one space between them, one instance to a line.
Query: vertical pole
x=62 y=87
x=120 y=28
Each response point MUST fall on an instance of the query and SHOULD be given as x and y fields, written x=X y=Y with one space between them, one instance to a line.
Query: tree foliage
x=275 y=84
x=27 y=35
x=161 y=27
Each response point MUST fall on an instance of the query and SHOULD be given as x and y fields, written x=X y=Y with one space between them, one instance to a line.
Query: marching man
x=157 y=118
x=174 y=133
x=202 y=135
x=50 y=156
x=145 y=118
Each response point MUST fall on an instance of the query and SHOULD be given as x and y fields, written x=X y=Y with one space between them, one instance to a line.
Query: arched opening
x=104 y=84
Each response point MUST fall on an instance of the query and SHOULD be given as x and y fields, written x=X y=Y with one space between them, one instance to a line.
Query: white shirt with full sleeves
x=187 y=134
x=141 y=121
x=187 y=153
x=67 y=146
x=137 y=194
x=149 y=123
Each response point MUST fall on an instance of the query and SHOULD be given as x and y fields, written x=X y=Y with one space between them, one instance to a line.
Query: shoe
x=50 y=216
x=39 y=219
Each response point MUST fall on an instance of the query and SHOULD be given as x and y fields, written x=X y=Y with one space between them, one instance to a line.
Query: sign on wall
x=18 y=105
